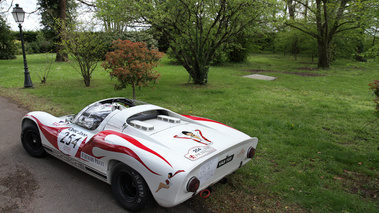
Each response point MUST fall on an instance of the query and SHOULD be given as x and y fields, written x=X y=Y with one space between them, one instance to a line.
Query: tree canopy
x=54 y=12
x=323 y=19
x=115 y=15
x=195 y=29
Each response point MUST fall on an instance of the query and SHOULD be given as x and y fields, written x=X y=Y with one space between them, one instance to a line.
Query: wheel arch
x=26 y=121
x=112 y=165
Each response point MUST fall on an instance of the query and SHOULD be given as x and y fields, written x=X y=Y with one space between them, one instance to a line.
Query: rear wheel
x=129 y=188
x=31 y=141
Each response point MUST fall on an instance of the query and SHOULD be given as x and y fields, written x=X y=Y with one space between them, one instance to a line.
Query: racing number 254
x=70 y=138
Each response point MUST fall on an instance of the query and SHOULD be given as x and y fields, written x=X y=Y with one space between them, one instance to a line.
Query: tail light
x=251 y=152
x=193 y=184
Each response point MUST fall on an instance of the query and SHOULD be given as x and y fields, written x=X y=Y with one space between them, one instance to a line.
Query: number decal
x=66 y=134
x=70 y=141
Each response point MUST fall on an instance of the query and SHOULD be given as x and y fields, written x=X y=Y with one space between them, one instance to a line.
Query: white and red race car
x=144 y=151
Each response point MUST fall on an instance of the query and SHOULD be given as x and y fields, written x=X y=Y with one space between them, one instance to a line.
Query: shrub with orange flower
x=132 y=63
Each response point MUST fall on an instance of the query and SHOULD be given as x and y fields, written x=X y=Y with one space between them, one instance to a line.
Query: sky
x=31 y=22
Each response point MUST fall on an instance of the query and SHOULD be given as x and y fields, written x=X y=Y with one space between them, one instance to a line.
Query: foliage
x=134 y=36
x=346 y=43
x=116 y=15
x=374 y=86
x=29 y=36
x=132 y=63
x=39 y=45
x=86 y=48
x=7 y=47
x=196 y=29
x=53 y=13
x=323 y=20
x=239 y=47
x=35 y=42
x=296 y=43
x=311 y=143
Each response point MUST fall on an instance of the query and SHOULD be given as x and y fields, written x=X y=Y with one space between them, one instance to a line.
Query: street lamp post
x=19 y=15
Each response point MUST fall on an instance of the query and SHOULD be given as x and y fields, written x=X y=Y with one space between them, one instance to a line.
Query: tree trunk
x=87 y=81
x=61 y=56
x=134 y=91
x=199 y=75
x=323 y=54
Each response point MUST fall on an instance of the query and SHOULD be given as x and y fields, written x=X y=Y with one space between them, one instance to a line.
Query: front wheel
x=31 y=141
x=129 y=188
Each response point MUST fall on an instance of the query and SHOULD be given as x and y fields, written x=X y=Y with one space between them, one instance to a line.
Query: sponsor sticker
x=198 y=152
x=91 y=159
x=60 y=123
x=225 y=160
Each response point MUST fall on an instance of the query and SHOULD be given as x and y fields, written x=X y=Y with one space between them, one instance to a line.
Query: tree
x=132 y=63
x=7 y=47
x=195 y=29
x=325 y=19
x=86 y=48
x=54 y=12
x=116 y=15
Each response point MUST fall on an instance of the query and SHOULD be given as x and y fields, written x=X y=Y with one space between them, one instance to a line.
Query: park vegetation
x=317 y=123
x=132 y=64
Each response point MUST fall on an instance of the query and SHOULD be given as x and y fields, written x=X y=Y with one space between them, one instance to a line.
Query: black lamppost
x=19 y=15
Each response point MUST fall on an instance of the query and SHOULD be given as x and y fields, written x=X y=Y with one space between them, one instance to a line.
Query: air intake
x=141 y=125
x=168 y=119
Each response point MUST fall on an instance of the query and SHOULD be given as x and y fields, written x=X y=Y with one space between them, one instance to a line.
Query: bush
x=132 y=63
x=87 y=50
x=7 y=47
x=39 y=45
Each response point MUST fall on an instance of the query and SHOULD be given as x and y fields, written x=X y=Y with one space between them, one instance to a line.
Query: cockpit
x=92 y=116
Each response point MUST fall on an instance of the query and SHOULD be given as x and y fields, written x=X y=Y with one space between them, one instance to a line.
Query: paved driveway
x=48 y=185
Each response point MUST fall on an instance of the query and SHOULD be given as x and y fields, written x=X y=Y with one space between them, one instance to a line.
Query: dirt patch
x=17 y=190
x=259 y=71
x=362 y=185
x=307 y=68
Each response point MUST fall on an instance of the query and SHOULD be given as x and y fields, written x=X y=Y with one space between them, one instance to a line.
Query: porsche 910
x=145 y=152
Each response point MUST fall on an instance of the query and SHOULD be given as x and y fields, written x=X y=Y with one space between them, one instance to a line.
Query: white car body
x=167 y=149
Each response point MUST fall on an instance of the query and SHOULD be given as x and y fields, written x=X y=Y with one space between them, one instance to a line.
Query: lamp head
x=18 y=14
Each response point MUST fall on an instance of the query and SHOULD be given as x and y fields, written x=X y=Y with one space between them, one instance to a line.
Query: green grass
x=317 y=148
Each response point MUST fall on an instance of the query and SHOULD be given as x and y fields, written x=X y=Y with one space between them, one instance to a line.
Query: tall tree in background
x=324 y=19
x=116 y=15
x=53 y=12
x=195 y=29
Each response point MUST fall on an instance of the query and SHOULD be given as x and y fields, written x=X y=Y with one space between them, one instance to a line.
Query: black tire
x=31 y=141
x=129 y=188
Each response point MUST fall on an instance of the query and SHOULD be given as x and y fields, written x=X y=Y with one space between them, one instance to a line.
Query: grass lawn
x=318 y=143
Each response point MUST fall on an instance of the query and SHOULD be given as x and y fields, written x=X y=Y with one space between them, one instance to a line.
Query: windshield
x=92 y=117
